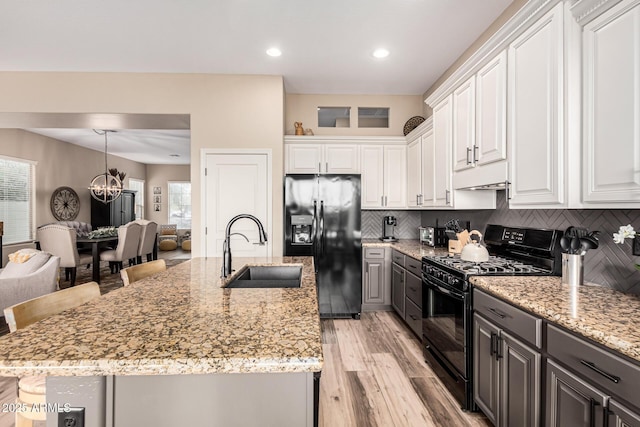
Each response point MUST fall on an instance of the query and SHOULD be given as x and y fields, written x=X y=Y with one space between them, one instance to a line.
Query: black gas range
x=447 y=306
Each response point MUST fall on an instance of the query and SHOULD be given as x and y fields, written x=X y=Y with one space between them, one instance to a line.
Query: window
x=180 y=204
x=334 y=117
x=373 y=117
x=137 y=185
x=17 y=197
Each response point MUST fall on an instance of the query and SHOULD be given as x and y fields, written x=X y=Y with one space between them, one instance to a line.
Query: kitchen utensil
x=575 y=245
x=569 y=232
x=474 y=251
x=565 y=244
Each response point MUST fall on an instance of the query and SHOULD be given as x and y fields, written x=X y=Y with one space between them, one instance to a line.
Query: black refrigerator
x=322 y=219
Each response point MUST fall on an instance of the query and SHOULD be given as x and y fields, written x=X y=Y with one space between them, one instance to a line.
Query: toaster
x=433 y=236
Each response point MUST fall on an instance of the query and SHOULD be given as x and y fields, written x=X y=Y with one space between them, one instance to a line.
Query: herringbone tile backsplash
x=407 y=228
x=610 y=265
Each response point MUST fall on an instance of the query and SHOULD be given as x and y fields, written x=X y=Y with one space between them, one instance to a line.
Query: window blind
x=17 y=199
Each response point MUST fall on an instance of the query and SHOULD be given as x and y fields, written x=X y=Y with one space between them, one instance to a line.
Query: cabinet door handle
x=413 y=289
x=446 y=196
x=492 y=350
x=497 y=313
x=418 y=199
x=498 y=347
x=468 y=155
x=319 y=167
x=508 y=190
x=475 y=153
x=594 y=368
x=421 y=199
x=326 y=167
x=413 y=317
x=381 y=200
x=386 y=201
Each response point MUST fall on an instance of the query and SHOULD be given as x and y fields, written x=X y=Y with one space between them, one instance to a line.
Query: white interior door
x=237 y=183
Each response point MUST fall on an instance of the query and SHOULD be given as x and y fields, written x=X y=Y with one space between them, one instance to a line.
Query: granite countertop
x=410 y=247
x=181 y=321
x=601 y=314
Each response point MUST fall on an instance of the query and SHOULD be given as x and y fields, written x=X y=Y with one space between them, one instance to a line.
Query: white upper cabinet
x=442 y=127
x=536 y=114
x=305 y=158
x=611 y=107
x=464 y=125
x=384 y=176
x=414 y=172
x=322 y=158
x=420 y=167
x=491 y=112
x=372 y=178
x=395 y=176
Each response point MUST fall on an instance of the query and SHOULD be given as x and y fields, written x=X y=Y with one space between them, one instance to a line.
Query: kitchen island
x=179 y=348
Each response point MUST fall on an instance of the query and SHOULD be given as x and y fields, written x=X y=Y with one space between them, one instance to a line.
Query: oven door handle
x=445 y=291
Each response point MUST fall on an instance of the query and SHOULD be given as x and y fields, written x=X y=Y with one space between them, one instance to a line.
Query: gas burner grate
x=495 y=265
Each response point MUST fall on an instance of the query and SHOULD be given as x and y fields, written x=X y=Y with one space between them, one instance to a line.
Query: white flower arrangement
x=625 y=232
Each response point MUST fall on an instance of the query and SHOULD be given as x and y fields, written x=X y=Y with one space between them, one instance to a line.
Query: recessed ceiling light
x=380 y=53
x=274 y=51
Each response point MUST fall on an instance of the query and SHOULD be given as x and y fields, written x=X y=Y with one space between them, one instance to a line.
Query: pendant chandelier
x=105 y=187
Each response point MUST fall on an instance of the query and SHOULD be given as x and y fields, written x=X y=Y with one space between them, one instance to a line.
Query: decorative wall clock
x=65 y=204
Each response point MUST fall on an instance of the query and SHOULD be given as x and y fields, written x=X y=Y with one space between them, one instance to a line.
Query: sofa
x=22 y=281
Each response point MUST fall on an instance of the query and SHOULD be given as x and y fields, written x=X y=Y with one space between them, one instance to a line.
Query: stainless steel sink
x=268 y=276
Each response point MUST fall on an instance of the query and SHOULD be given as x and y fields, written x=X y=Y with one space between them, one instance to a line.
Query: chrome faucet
x=226 y=246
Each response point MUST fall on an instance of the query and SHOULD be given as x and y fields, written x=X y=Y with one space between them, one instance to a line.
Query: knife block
x=455 y=246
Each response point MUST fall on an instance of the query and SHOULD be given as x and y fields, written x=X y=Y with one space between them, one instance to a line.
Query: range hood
x=492 y=176
x=494 y=186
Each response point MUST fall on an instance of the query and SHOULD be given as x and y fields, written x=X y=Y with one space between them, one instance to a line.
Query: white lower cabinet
x=611 y=107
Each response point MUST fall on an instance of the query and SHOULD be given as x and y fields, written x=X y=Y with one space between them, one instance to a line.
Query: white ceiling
x=148 y=146
x=326 y=44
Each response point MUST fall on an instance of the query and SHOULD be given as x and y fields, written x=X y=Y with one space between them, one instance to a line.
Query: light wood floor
x=374 y=375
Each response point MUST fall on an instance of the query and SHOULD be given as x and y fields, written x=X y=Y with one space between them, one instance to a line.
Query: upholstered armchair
x=60 y=240
x=33 y=278
x=168 y=231
x=127 y=249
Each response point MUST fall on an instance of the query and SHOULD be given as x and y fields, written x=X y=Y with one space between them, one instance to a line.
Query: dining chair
x=127 y=249
x=32 y=389
x=138 y=272
x=147 y=239
x=60 y=240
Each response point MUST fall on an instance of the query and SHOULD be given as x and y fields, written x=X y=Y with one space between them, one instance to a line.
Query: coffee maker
x=388 y=227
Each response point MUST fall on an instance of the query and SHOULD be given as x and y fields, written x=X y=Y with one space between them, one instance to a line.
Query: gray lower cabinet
x=406 y=290
x=571 y=401
x=506 y=370
x=587 y=384
x=376 y=279
x=619 y=415
x=397 y=289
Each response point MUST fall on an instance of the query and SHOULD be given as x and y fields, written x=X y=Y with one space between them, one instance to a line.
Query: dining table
x=96 y=243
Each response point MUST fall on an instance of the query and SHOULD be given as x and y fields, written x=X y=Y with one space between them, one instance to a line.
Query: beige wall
x=61 y=164
x=303 y=108
x=158 y=176
x=226 y=111
x=511 y=10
